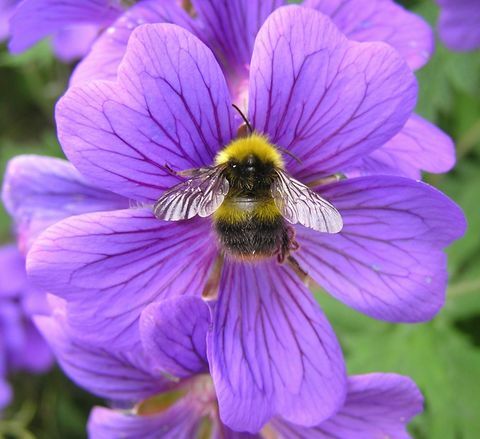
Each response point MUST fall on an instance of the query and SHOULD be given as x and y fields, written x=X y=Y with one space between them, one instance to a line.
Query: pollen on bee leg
x=210 y=292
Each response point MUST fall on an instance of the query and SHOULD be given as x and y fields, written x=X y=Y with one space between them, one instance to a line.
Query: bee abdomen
x=251 y=238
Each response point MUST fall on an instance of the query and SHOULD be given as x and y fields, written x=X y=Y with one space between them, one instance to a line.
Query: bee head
x=249 y=167
x=250 y=164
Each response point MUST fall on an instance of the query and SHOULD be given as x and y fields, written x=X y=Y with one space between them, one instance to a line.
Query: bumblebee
x=252 y=199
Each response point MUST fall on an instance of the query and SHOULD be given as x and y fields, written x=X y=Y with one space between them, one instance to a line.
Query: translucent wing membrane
x=200 y=195
x=298 y=204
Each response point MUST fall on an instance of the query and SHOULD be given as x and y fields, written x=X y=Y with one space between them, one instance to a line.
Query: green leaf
x=441 y=361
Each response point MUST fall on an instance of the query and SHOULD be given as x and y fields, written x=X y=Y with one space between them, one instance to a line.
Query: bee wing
x=299 y=204
x=200 y=195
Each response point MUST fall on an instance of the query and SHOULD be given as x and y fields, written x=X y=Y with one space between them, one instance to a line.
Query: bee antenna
x=291 y=154
x=244 y=118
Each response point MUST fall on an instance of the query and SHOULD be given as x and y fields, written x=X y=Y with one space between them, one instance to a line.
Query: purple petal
x=170 y=106
x=120 y=375
x=35 y=19
x=223 y=432
x=174 y=335
x=230 y=27
x=34 y=355
x=381 y=20
x=40 y=191
x=271 y=350
x=74 y=42
x=3 y=357
x=106 y=54
x=329 y=101
x=116 y=263
x=5 y=389
x=12 y=331
x=178 y=422
x=459 y=24
x=34 y=301
x=13 y=279
x=7 y=7
x=5 y=393
x=24 y=348
x=388 y=260
x=419 y=146
x=377 y=406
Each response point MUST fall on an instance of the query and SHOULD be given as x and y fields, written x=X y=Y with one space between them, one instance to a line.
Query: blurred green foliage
x=442 y=356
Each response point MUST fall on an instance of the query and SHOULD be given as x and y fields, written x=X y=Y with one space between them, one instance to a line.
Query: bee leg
x=170 y=170
x=288 y=244
x=291 y=243
x=299 y=271
x=325 y=180
x=185 y=173
x=210 y=292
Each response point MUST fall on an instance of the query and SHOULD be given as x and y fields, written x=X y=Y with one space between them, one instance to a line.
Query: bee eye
x=234 y=165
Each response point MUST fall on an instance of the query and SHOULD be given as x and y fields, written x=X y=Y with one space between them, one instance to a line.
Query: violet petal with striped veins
x=108 y=372
x=326 y=99
x=272 y=352
x=174 y=334
x=381 y=20
x=39 y=191
x=377 y=406
x=388 y=261
x=33 y=20
x=117 y=263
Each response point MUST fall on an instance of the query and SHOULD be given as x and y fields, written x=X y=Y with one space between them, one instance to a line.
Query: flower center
x=198 y=391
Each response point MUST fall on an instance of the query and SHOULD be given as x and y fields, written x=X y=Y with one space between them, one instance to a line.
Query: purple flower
x=168 y=384
x=323 y=98
x=22 y=348
x=419 y=146
x=73 y=24
x=37 y=192
x=459 y=24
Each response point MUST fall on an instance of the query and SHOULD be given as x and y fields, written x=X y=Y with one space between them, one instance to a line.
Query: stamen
x=159 y=403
